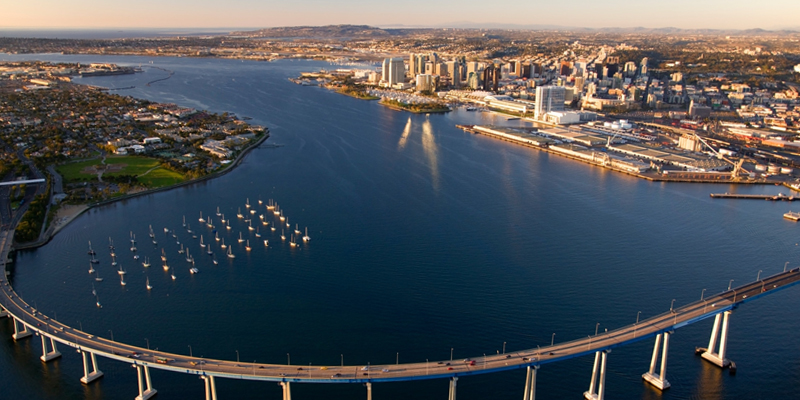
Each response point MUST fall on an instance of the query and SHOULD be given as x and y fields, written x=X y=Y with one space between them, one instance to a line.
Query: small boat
x=223 y=218
x=133 y=238
x=283 y=236
x=113 y=261
x=230 y=254
x=174 y=235
x=188 y=228
x=97 y=299
x=90 y=252
x=194 y=270
x=121 y=270
x=216 y=236
x=306 y=237
x=240 y=237
x=210 y=224
x=152 y=235
x=209 y=252
x=261 y=216
x=181 y=250
x=282 y=217
x=287 y=223
x=122 y=280
x=258 y=234
x=166 y=230
x=94 y=260
x=265 y=223
x=239 y=213
x=188 y=257
x=218 y=213
x=228 y=226
x=223 y=244
x=91 y=268
x=292 y=242
x=135 y=256
x=184 y=221
x=94 y=291
x=296 y=229
x=202 y=245
x=270 y=206
x=165 y=266
x=247 y=246
x=252 y=211
x=201 y=219
x=215 y=261
x=272 y=228
x=173 y=277
x=154 y=242
x=260 y=202
x=276 y=211
x=146 y=263
x=266 y=243
x=247 y=203
x=97 y=277
x=148 y=284
x=250 y=227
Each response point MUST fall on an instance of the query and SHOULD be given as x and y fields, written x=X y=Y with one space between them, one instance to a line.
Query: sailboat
x=90 y=252
x=292 y=242
x=184 y=221
x=261 y=216
x=164 y=254
x=287 y=223
x=223 y=244
x=228 y=226
x=188 y=228
x=166 y=230
x=260 y=202
x=264 y=222
x=148 y=284
x=97 y=277
x=266 y=243
x=240 y=237
x=283 y=236
x=250 y=227
x=122 y=280
x=146 y=263
x=247 y=246
x=252 y=211
x=202 y=245
x=133 y=241
x=94 y=260
x=270 y=206
x=272 y=228
x=223 y=218
x=193 y=270
x=216 y=236
x=165 y=266
x=208 y=251
x=113 y=261
x=94 y=291
x=121 y=270
x=135 y=256
x=296 y=229
x=239 y=213
x=110 y=244
x=210 y=224
x=91 y=268
x=188 y=257
x=215 y=261
x=201 y=219
x=152 y=235
x=181 y=250
x=276 y=210
x=306 y=237
x=247 y=203
x=97 y=301
x=218 y=213
x=230 y=254
x=281 y=216
x=258 y=234
x=173 y=276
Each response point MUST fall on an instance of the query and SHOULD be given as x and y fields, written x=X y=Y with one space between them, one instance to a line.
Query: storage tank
x=773 y=169
x=787 y=170
x=761 y=167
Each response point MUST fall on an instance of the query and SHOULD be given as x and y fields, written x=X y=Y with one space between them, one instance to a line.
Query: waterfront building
x=473 y=81
x=454 y=70
x=549 y=98
x=394 y=71
x=425 y=82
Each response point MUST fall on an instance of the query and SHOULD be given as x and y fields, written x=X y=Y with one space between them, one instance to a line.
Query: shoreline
x=52 y=230
x=399 y=108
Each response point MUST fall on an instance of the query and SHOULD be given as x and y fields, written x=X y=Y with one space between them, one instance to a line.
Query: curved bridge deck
x=676 y=318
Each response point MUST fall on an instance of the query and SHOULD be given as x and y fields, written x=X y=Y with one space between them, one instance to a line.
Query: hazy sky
x=717 y=14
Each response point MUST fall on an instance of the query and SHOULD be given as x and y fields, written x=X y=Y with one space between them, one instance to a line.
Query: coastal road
x=673 y=319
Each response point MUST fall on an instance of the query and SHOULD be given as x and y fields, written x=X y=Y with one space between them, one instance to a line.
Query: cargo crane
x=737 y=166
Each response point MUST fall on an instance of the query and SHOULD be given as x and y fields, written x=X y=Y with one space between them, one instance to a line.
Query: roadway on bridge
x=394 y=372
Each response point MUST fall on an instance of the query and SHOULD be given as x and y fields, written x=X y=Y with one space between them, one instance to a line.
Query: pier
x=771 y=197
x=28 y=321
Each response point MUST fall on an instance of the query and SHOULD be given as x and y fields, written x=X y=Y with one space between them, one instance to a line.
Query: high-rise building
x=412 y=65
x=425 y=82
x=454 y=70
x=491 y=77
x=549 y=98
x=394 y=71
x=473 y=81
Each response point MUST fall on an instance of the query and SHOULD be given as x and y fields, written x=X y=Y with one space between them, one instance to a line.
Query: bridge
x=28 y=322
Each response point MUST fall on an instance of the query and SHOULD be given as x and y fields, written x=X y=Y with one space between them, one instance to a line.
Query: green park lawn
x=133 y=165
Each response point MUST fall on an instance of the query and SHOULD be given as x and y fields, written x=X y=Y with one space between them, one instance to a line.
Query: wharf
x=771 y=197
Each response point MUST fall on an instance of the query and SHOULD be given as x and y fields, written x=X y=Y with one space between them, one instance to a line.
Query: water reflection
x=431 y=151
x=404 y=137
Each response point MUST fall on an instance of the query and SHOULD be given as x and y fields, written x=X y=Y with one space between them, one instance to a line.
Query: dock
x=771 y=197
x=794 y=216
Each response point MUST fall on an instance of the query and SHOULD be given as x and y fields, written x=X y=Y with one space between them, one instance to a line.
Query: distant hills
x=371 y=32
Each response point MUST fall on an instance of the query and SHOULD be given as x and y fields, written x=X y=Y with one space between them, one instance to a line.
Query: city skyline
x=237 y=14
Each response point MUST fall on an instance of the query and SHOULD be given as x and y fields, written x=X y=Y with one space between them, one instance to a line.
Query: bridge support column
x=600 y=358
x=369 y=390
x=718 y=358
x=211 y=387
x=659 y=380
x=20 y=334
x=47 y=356
x=3 y=312
x=453 y=383
x=287 y=391
x=530 y=383
x=96 y=373
x=150 y=392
